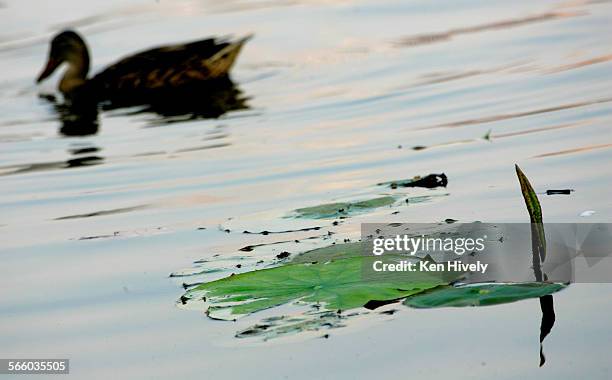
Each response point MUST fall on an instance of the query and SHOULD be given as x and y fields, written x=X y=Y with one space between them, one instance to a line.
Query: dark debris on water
x=559 y=192
x=316 y=228
x=283 y=255
x=430 y=181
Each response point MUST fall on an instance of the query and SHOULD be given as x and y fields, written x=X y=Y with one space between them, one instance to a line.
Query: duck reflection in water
x=178 y=82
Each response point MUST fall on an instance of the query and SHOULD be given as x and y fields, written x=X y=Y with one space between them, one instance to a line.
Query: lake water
x=340 y=93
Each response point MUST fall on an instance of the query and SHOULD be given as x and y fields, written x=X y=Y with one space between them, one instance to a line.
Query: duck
x=200 y=65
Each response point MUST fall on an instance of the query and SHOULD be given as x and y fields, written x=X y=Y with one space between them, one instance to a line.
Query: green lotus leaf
x=334 y=210
x=481 y=294
x=335 y=285
x=331 y=252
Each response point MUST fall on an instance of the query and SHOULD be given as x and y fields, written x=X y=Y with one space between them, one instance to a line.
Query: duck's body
x=137 y=76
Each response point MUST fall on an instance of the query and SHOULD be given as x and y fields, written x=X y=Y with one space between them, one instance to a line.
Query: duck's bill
x=52 y=64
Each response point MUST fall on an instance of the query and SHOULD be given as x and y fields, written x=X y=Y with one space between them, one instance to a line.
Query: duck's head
x=68 y=47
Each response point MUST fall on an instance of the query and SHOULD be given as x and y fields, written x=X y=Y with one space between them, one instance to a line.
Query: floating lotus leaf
x=338 y=209
x=331 y=252
x=481 y=294
x=335 y=285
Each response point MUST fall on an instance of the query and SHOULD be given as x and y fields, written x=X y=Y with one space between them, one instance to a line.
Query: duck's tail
x=221 y=63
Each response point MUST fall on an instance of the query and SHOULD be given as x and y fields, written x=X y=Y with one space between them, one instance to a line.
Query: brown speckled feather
x=168 y=67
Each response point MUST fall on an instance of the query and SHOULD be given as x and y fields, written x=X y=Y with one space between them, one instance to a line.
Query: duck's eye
x=59 y=49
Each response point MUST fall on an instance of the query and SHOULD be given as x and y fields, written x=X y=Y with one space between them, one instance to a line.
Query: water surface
x=341 y=95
